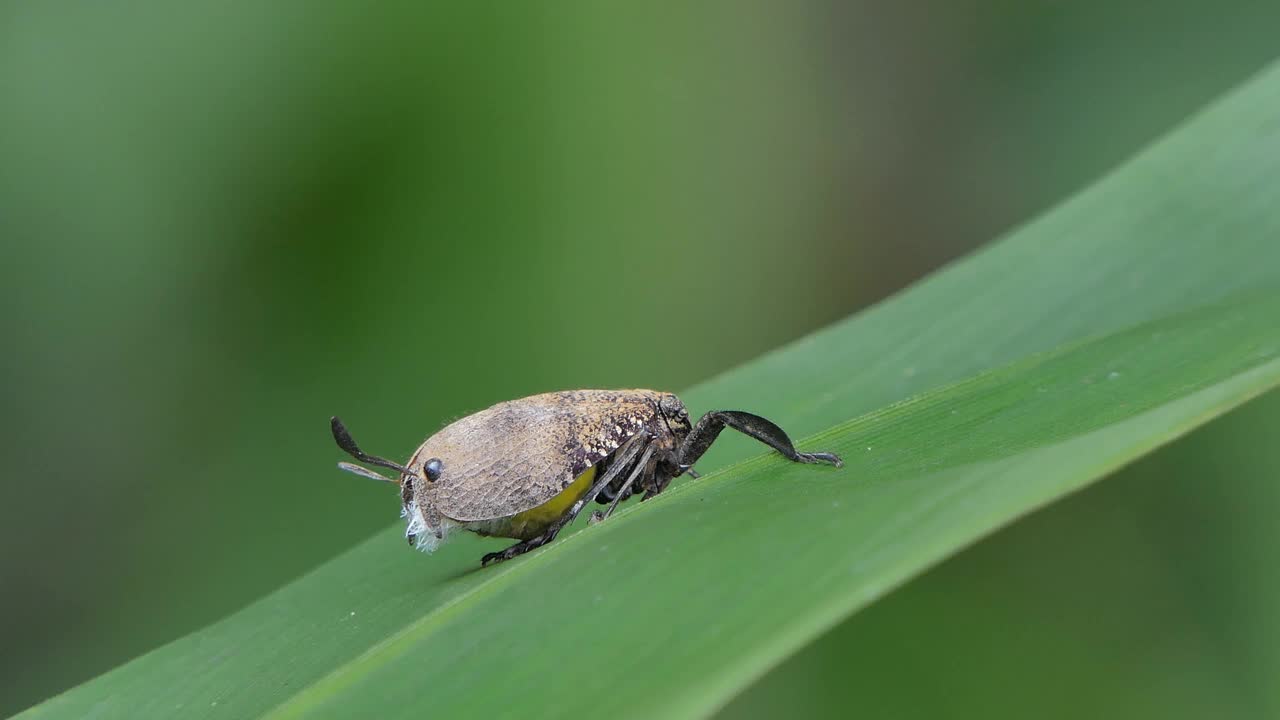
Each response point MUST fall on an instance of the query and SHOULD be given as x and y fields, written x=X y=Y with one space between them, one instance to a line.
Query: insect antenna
x=363 y=471
x=345 y=441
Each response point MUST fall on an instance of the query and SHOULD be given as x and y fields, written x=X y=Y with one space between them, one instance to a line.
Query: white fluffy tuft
x=425 y=536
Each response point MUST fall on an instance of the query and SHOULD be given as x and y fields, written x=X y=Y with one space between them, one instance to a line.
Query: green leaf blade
x=920 y=480
x=1130 y=314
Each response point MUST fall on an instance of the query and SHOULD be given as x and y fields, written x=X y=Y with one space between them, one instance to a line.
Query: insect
x=525 y=469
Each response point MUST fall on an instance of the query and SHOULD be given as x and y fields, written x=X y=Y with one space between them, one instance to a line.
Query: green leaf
x=1127 y=316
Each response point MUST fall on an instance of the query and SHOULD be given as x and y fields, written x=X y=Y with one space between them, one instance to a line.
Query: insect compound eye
x=432 y=468
x=673 y=410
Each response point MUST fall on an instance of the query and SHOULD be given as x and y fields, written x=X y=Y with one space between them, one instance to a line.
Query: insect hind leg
x=710 y=425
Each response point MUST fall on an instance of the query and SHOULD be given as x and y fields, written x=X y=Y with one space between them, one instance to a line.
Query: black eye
x=432 y=468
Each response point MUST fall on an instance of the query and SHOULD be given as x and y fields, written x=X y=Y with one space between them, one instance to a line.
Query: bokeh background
x=222 y=222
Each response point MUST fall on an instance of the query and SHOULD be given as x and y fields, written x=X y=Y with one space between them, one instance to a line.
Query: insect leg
x=648 y=462
x=667 y=469
x=709 y=427
x=624 y=456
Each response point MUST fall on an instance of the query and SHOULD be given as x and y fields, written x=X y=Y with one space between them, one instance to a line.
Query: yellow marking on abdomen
x=533 y=521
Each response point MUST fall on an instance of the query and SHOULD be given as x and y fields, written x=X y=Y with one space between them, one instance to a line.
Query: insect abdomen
x=531 y=523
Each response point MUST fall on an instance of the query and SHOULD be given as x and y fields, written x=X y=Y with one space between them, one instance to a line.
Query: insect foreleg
x=709 y=427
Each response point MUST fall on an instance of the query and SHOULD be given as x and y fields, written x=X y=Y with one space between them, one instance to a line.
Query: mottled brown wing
x=518 y=455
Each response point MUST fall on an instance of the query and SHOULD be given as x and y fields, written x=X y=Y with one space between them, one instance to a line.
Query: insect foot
x=514 y=550
x=820 y=457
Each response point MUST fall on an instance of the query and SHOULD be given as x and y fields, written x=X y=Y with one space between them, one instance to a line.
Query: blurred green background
x=223 y=222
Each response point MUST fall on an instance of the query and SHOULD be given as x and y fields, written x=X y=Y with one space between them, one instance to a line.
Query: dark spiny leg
x=625 y=454
x=606 y=495
x=521 y=547
x=611 y=491
x=645 y=465
x=667 y=469
x=709 y=427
